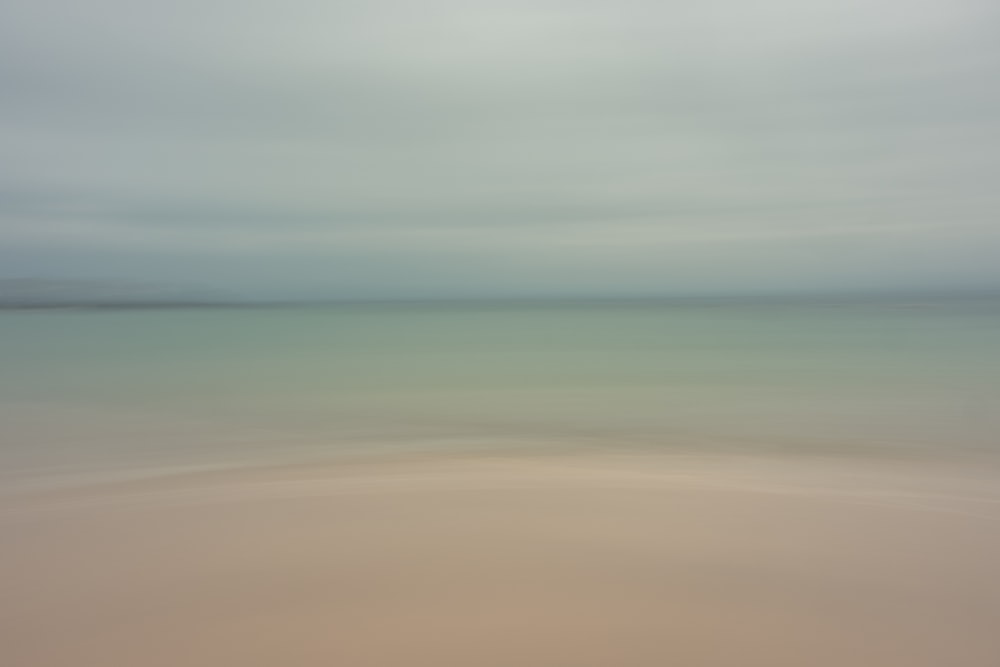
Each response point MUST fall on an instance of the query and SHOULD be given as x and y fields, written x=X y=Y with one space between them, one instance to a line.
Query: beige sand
x=580 y=561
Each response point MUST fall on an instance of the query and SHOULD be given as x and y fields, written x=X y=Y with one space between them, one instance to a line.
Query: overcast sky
x=502 y=147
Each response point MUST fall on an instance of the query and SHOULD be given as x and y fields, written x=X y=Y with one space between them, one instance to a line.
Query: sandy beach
x=543 y=561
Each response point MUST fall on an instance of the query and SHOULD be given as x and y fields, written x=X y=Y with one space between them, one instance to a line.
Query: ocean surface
x=95 y=392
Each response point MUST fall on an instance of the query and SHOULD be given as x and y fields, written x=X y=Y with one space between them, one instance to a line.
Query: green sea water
x=100 y=390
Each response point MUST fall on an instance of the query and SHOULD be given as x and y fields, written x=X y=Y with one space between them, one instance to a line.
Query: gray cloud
x=398 y=147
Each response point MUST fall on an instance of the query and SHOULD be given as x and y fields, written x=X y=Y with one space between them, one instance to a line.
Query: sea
x=96 y=392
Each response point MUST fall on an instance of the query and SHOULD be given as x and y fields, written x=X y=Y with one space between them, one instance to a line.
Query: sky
x=396 y=148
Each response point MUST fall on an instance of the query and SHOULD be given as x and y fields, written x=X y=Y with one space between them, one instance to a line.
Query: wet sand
x=545 y=561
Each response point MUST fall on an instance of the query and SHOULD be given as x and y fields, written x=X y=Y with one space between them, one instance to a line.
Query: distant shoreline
x=914 y=299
